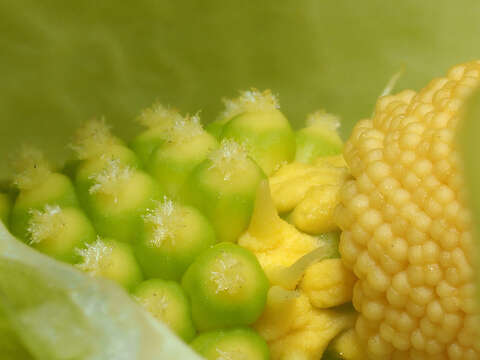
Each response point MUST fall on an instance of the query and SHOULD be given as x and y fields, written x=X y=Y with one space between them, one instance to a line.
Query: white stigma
x=94 y=257
x=93 y=137
x=164 y=219
x=108 y=180
x=249 y=100
x=226 y=355
x=159 y=115
x=44 y=223
x=155 y=302
x=323 y=119
x=229 y=158
x=31 y=167
x=184 y=129
x=227 y=277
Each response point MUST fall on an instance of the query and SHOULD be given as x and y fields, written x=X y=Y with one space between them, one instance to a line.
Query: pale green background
x=62 y=62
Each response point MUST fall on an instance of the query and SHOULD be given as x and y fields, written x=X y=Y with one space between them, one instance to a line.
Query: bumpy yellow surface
x=275 y=242
x=328 y=283
x=348 y=346
x=296 y=322
x=310 y=192
x=406 y=229
x=294 y=329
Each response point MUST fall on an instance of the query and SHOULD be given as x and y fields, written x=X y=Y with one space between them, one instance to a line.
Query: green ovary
x=227 y=287
x=117 y=199
x=266 y=134
x=319 y=138
x=172 y=163
x=167 y=302
x=238 y=343
x=55 y=189
x=60 y=232
x=173 y=235
x=112 y=260
x=223 y=187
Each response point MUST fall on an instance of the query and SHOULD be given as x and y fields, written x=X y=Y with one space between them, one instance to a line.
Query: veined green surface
x=60 y=313
x=63 y=62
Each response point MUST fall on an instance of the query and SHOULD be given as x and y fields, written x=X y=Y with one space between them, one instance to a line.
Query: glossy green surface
x=73 y=231
x=118 y=214
x=312 y=144
x=228 y=204
x=243 y=343
x=267 y=135
x=56 y=189
x=168 y=257
x=172 y=163
x=226 y=286
x=167 y=302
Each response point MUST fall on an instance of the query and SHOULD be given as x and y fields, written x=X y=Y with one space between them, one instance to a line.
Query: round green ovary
x=55 y=189
x=313 y=142
x=216 y=127
x=146 y=143
x=267 y=135
x=60 y=232
x=172 y=163
x=173 y=236
x=234 y=344
x=167 y=302
x=227 y=287
x=89 y=167
x=4 y=208
x=117 y=213
x=226 y=201
x=112 y=260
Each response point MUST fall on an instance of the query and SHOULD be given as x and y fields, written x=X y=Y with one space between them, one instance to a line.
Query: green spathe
x=334 y=54
x=4 y=208
x=10 y=346
x=469 y=146
x=40 y=293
